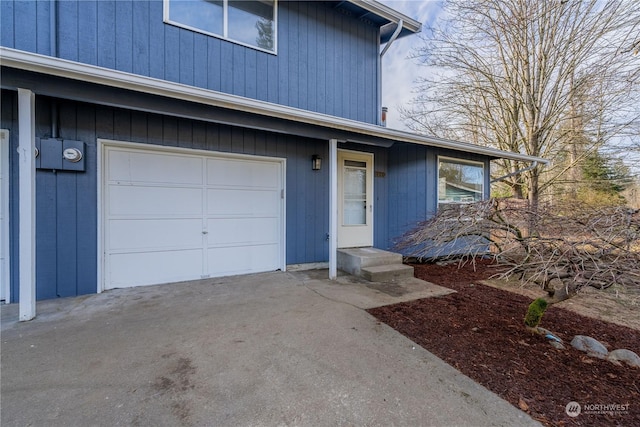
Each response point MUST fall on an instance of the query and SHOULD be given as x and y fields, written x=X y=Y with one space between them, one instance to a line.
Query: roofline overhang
x=118 y=79
x=393 y=16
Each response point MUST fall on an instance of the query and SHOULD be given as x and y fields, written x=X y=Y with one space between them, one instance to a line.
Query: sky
x=398 y=71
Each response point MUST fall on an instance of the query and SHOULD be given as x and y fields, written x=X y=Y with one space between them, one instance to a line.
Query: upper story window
x=459 y=181
x=250 y=23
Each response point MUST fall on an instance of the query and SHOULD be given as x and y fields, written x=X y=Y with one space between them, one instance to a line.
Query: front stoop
x=387 y=273
x=373 y=264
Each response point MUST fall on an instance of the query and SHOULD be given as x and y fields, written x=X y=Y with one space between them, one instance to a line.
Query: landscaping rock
x=589 y=345
x=545 y=332
x=557 y=344
x=624 y=355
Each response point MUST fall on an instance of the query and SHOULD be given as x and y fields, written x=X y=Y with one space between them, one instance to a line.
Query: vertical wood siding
x=404 y=190
x=326 y=61
x=413 y=185
x=67 y=224
x=409 y=188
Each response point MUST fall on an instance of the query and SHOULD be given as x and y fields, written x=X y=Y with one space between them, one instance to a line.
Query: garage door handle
x=205 y=232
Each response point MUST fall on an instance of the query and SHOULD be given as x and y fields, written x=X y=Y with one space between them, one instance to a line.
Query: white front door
x=355 y=199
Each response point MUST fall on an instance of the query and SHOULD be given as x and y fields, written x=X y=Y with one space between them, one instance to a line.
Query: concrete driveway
x=258 y=350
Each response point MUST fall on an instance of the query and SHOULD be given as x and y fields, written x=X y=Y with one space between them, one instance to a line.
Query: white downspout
x=394 y=36
x=527 y=169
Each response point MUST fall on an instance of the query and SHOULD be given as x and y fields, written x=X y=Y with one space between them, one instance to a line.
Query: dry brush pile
x=561 y=247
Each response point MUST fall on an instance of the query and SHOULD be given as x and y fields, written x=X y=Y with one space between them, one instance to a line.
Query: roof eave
x=409 y=25
x=389 y=14
x=113 y=78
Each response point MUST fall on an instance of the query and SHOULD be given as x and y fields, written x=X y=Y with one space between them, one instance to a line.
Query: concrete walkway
x=257 y=350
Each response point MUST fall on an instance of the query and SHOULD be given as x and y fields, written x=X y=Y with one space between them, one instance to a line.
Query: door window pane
x=355 y=196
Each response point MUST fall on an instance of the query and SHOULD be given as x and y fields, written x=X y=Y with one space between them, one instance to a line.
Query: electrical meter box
x=60 y=154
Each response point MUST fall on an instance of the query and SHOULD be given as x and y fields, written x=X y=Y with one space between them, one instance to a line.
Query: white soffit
x=390 y=14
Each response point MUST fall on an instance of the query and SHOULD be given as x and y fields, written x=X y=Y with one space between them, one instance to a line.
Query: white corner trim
x=283 y=220
x=27 y=203
x=100 y=217
x=103 y=76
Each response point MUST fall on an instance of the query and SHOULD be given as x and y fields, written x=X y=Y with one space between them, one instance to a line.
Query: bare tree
x=550 y=78
x=575 y=244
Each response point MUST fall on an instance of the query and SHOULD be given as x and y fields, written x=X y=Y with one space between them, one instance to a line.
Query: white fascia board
x=107 y=77
x=388 y=13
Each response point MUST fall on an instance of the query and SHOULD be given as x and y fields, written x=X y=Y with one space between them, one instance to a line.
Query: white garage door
x=172 y=215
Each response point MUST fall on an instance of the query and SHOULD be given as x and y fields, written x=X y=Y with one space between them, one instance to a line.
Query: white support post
x=5 y=262
x=333 y=209
x=27 y=205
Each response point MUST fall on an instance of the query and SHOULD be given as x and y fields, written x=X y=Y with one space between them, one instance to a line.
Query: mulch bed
x=480 y=331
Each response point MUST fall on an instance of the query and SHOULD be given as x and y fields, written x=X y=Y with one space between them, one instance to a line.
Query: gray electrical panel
x=59 y=154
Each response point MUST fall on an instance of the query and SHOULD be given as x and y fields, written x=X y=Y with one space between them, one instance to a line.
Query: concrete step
x=352 y=260
x=387 y=273
x=373 y=264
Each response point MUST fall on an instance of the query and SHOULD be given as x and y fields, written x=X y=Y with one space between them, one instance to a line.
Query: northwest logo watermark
x=573 y=409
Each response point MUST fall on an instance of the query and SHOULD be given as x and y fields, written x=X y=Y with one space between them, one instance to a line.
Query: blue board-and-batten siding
x=404 y=186
x=409 y=188
x=326 y=62
x=66 y=217
x=413 y=185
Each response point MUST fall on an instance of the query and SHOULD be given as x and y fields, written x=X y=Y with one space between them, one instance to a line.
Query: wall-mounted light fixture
x=316 y=162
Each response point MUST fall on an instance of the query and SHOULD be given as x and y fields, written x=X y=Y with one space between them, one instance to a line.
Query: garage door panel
x=148 y=268
x=243 y=173
x=243 y=259
x=227 y=202
x=171 y=217
x=143 y=201
x=156 y=168
x=154 y=234
x=234 y=231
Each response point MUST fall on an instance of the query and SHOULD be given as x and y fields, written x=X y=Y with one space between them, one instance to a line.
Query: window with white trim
x=248 y=22
x=459 y=181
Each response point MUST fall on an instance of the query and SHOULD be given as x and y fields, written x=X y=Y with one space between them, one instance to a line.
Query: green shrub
x=535 y=312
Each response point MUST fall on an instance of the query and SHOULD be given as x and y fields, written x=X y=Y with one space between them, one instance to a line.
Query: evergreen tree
x=604 y=180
